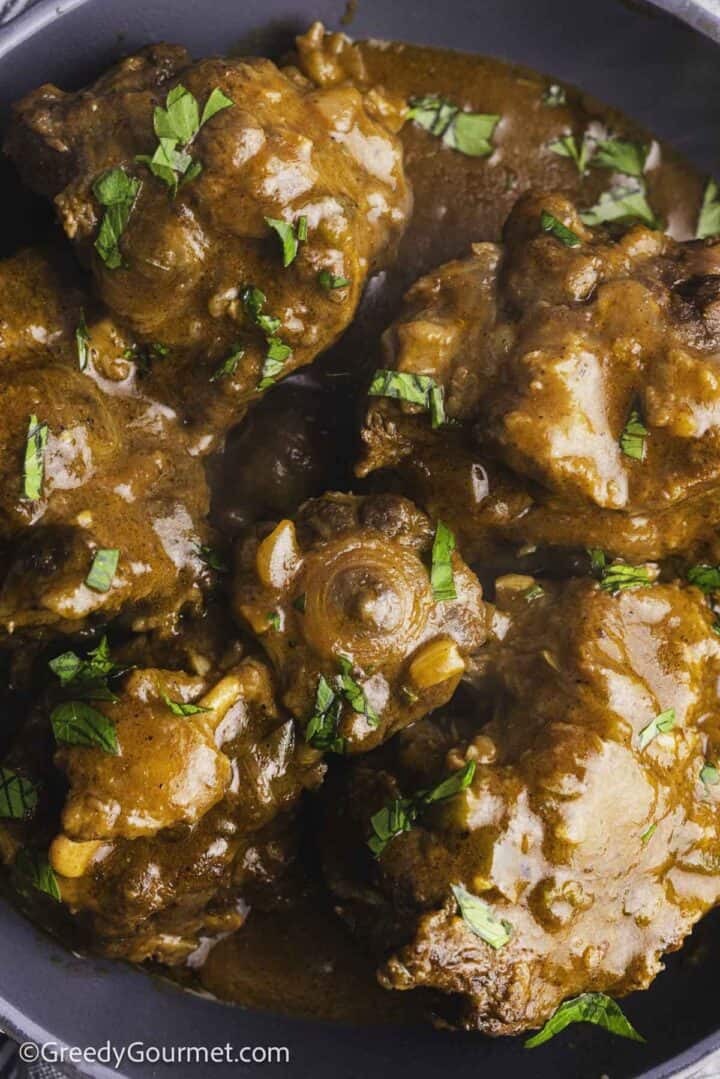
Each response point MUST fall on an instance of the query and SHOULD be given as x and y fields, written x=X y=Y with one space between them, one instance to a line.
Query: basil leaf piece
x=102 y=570
x=709 y=217
x=632 y=439
x=88 y=677
x=354 y=693
x=400 y=815
x=704 y=577
x=415 y=389
x=183 y=708
x=623 y=203
x=117 y=192
x=82 y=342
x=660 y=725
x=274 y=620
x=176 y=126
x=598 y=560
x=18 y=796
x=321 y=731
x=578 y=152
x=32 y=869
x=597 y=1008
x=211 y=558
x=709 y=775
x=253 y=300
x=549 y=223
x=34 y=465
x=180 y=119
x=554 y=96
x=330 y=281
x=78 y=724
x=535 y=591
x=478 y=917
x=229 y=366
x=441 y=572
x=619 y=577
x=468 y=132
x=621 y=155
x=648 y=834
x=278 y=354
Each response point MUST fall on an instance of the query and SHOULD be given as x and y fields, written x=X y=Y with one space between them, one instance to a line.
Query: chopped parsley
x=354 y=693
x=290 y=236
x=478 y=917
x=321 y=731
x=18 y=796
x=709 y=775
x=176 y=126
x=415 y=389
x=550 y=223
x=274 y=619
x=79 y=724
x=183 y=708
x=535 y=591
x=229 y=366
x=704 y=577
x=623 y=203
x=88 y=677
x=102 y=570
x=597 y=1008
x=401 y=814
x=117 y=192
x=253 y=301
x=441 y=571
x=598 y=560
x=32 y=869
x=330 y=281
x=82 y=342
x=554 y=96
x=34 y=465
x=709 y=216
x=660 y=725
x=619 y=577
x=621 y=155
x=579 y=151
x=211 y=557
x=648 y=834
x=468 y=132
x=632 y=439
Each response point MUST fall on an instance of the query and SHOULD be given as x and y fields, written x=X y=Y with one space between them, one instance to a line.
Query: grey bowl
x=664 y=74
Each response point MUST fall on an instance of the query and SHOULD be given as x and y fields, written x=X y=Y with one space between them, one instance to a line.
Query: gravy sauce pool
x=301 y=961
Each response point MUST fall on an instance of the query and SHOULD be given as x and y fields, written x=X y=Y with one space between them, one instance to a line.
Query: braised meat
x=91 y=464
x=581 y=365
x=583 y=841
x=252 y=207
x=344 y=603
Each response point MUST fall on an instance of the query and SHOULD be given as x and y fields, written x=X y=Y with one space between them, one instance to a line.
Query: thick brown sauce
x=301 y=961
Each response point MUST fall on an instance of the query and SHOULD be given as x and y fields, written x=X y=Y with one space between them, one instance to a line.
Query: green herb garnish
x=415 y=389
x=290 y=236
x=704 y=577
x=709 y=775
x=253 y=301
x=624 y=203
x=468 y=132
x=117 y=192
x=648 y=834
x=595 y=1008
x=183 y=708
x=660 y=725
x=18 y=796
x=330 y=281
x=579 y=152
x=32 y=869
x=229 y=366
x=274 y=619
x=102 y=570
x=176 y=126
x=709 y=217
x=598 y=560
x=321 y=731
x=78 y=724
x=619 y=577
x=82 y=342
x=34 y=466
x=554 y=96
x=535 y=591
x=354 y=693
x=621 y=156
x=478 y=916
x=549 y=223
x=441 y=572
x=211 y=558
x=401 y=814
x=88 y=677
x=632 y=439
